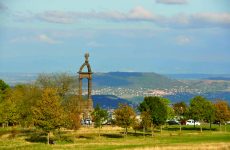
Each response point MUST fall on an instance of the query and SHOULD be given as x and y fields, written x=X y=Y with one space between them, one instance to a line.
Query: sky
x=162 y=36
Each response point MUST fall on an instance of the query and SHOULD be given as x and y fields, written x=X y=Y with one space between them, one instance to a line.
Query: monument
x=88 y=103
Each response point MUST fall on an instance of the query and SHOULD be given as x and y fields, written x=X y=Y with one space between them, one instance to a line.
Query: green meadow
x=87 y=138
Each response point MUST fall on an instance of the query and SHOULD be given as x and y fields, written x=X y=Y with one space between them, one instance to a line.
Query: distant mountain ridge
x=111 y=79
x=198 y=76
x=134 y=80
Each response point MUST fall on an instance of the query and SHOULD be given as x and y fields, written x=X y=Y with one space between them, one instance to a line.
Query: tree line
x=51 y=103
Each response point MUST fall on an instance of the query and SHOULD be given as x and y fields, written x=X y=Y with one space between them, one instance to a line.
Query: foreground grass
x=112 y=138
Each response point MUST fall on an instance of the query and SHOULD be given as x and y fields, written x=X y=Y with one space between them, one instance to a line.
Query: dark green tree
x=157 y=108
x=3 y=89
x=124 y=116
x=170 y=112
x=210 y=113
x=99 y=116
x=197 y=109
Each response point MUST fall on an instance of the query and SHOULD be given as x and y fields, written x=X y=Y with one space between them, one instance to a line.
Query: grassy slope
x=87 y=138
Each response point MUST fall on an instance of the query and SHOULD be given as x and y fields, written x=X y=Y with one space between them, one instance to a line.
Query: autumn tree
x=180 y=109
x=145 y=120
x=99 y=116
x=47 y=112
x=157 y=109
x=222 y=112
x=136 y=125
x=73 y=110
x=124 y=116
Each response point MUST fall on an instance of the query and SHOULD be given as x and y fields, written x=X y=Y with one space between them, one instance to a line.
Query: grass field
x=112 y=138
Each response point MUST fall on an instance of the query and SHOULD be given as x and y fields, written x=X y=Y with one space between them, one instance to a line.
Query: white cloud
x=46 y=39
x=41 y=38
x=137 y=14
x=222 y=18
x=198 y=20
x=172 y=1
x=183 y=40
x=57 y=17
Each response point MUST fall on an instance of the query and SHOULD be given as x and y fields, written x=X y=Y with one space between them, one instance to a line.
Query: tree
x=136 y=125
x=222 y=112
x=99 y=116
x=3 y=85
x=62 y=82
x=170 y=112
x=180 y=109
x=145 y=120
x=3 y=89
x=157 y=109
x=73 y=111
x=209 y=113
x=25 y=96
x=47 y=112
x=124 y=116
x=10 y=112
x=197 y=109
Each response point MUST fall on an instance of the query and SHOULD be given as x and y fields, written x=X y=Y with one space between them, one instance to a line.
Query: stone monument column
x=88 y=103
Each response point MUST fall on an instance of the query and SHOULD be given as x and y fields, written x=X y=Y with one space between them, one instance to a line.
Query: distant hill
x=108 y=101
x=186 y=97
x=16 y=78
x=134 y=80
x=198 y=76
x=111 y=79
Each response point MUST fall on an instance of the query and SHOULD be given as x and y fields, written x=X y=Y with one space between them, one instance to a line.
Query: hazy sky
x=163 y=36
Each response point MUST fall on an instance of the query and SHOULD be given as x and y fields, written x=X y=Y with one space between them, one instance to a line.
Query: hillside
x=108 y=101
x=134 y=80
